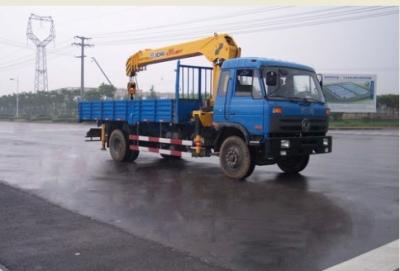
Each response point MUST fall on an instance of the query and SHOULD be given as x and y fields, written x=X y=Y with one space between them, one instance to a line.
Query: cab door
x=224 y=86
x=245 y=103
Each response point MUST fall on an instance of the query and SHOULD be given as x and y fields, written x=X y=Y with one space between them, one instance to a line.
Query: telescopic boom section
x=216 y=49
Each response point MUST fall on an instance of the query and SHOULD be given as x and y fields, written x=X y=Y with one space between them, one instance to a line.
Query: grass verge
x=364 y=123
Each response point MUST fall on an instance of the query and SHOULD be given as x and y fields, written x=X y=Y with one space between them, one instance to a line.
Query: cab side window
x=248 y=84
x=223 y=83
x=244 y=83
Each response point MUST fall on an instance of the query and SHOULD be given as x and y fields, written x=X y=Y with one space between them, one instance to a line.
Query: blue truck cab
x=265 y=112
x=278 y=106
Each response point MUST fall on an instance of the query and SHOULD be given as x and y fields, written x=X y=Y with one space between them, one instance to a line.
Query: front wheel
x=235 y=158
x=293 y=164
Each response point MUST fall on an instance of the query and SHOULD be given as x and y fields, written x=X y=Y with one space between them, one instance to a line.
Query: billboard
x=350 y=92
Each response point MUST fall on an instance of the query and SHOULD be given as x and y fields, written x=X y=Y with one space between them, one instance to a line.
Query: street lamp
x=16 y=79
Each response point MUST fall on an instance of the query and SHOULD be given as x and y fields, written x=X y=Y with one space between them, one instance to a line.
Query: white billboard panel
x=350 y=92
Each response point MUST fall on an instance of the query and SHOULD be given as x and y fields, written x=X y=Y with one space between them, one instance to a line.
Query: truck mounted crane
x=258 y=111
x=215 y=49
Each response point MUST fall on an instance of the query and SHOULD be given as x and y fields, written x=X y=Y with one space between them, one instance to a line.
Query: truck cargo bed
x=132 y=111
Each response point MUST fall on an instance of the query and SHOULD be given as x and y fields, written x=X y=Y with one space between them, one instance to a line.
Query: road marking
x=384 y=258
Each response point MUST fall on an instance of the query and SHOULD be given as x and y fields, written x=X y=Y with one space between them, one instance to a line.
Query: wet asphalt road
x=345 y=203
x=39 y=236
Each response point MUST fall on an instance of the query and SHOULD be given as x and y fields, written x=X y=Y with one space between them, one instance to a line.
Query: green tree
x=388 y=100
x=106 y=90
x=91 y=95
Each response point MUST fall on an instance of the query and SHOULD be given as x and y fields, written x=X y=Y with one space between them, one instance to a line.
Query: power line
x=309 y=18
x=11 y=56
x=191 y=29
x=25 y=57
x=188 y=27
x=24 y=61
x=151 y=36
x=312 y=16
x=12 y=43
x=255 y=26
x=82 y=44
x=281 y=23
x=188 y=22
x=95 y=16
x=269 y=27
x=303 y=24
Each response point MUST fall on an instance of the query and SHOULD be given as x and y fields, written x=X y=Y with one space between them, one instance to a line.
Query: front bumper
x=293 y=146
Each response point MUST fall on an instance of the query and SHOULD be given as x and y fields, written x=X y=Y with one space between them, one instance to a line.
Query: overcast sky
x=331 y=39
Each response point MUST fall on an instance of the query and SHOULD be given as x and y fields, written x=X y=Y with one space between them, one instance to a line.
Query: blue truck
x=264 y=112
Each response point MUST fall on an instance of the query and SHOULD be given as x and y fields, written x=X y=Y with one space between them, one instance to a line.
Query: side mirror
x=320 y=79
x=271 y=78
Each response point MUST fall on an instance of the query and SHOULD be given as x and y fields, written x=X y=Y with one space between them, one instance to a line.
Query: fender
x=220 y=128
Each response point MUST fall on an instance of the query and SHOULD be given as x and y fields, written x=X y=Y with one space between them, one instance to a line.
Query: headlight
x=277 y=110
x=325 y=142
x=285 y=144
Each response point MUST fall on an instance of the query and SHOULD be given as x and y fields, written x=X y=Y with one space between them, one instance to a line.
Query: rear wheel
x=132 y=156
x=293 y=164
x=235 y=158
x=119 y=147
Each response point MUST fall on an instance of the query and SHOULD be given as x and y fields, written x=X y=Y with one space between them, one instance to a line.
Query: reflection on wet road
x=344 y=204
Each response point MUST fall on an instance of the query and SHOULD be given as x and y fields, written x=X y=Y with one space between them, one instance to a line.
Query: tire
x=251 y=169
x=235 y=158
x=293 y=164
x=119 y=148
x=132 y=156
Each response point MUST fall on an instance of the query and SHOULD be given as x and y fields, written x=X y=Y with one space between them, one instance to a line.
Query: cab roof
x=258 y=62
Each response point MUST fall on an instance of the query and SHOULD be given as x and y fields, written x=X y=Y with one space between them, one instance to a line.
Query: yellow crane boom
x=216 y=49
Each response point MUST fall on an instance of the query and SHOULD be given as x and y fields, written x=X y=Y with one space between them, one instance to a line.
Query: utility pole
x=17 y=96
x=82 y=44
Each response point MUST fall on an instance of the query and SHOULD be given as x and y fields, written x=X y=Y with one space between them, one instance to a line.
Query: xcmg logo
x=170 y=52
x=157 y=54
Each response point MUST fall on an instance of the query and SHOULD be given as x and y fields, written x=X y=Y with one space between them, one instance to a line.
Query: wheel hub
x=232 y=158
x=117 y=145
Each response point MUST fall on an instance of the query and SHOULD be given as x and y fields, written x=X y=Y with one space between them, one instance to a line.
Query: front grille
x=290 y=126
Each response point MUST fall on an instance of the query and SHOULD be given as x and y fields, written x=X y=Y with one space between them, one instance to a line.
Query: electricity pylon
x=41 y=58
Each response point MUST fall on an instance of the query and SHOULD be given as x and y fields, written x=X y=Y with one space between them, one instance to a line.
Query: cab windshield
x=292 y=84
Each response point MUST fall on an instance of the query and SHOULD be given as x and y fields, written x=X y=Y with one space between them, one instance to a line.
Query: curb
x=385 y=257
